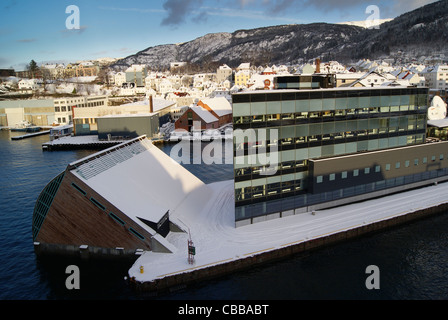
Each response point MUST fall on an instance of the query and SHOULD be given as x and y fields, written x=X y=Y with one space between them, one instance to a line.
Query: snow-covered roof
x=204 y=114
x=139 y=179
x=221 y=106
x=443 y=123
x=158 y=104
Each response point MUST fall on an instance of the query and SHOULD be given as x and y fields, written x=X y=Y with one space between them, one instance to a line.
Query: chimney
x=317 y=65
x=151 y=104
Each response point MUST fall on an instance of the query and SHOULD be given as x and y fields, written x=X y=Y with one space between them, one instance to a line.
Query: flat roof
x=438 y=123
x=326 y=89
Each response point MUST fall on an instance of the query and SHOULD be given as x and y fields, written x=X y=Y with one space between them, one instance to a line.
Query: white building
x=119 y=78
x=436 y=77
x=28 y=84
x=223 y=73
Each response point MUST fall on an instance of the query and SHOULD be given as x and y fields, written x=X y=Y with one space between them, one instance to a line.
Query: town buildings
x=436 y=77
x=327 y=146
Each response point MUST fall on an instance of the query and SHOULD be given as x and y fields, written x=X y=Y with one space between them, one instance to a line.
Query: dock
x=30 y=135
x=79 y=143
x=222 y=249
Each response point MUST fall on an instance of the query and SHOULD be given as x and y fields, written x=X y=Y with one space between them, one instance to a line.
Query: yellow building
x=242 y=77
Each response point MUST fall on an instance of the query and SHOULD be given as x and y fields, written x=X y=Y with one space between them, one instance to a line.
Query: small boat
x=25 y=126
x=62 y=131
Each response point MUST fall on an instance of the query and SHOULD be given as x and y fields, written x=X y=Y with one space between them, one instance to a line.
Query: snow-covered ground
x=77 y=140
x=218 y=241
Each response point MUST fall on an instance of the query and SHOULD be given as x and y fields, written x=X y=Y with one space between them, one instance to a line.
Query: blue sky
x=110 y=28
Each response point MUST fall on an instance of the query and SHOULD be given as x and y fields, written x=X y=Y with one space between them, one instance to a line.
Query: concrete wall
x=132 y=126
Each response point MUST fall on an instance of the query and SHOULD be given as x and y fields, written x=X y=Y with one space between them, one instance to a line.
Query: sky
x=50 y=31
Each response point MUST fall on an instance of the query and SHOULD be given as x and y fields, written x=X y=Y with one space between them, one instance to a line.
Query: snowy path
x=217 y=240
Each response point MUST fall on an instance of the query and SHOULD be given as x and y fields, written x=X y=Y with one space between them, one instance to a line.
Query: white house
x=119 y=78
x=436 y=77
x=28 y=84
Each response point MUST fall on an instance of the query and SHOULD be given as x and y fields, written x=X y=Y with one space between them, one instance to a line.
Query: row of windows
x=377 y=169
x=273 y=190
x=374 y=93
x=111 y=214
x=82 y=105
x=254 y=190
x=63 y=109
x=263 y=206
x=291 y=106
x=325 y=145
x=367 y=126
x=290 y=118
x=296 y=157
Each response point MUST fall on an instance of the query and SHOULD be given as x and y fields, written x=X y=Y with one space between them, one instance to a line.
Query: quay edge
x=183 y=279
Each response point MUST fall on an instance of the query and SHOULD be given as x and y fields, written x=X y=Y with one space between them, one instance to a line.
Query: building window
x=407 y=163
x=344 y=175
x=441 y=157
x=397 y=165
x=388 y=167
x=320 y=179
x=355 y=172
x=99 y=205
x=332 y=177
x=415 y=162
x=425 y=160
x=78 y=188
x=377 y=169
x=366 y=170
x=117 y=219
x=135 y=233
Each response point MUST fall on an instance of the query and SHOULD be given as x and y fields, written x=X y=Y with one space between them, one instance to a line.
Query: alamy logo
x=373 y=280
x=372 y=22
x=73 y=20
x=73 y=280
x=253 y=148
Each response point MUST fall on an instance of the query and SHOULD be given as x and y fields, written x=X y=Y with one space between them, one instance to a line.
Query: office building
x=332 y=145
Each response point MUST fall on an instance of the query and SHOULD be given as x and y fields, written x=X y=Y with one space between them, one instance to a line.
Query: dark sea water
x=412 y=259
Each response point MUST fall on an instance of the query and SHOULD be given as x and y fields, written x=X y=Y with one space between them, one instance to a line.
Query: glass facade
x=311 y=124
x=44 y=202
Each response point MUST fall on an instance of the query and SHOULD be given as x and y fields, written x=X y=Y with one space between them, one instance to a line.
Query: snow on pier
x=74 y=142
x=217 y=241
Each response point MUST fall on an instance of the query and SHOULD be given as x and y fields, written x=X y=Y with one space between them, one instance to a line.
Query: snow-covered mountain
x=273 y=45
x=420 y=32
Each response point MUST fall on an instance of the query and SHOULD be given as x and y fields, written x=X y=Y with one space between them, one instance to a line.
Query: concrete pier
x=238 y=249
x=199 y=274
x=30 y=135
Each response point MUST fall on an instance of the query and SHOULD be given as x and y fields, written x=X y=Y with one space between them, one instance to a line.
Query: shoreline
x=162 y=272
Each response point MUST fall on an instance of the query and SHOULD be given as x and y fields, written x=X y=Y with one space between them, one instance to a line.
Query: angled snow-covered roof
x=139 y=179
x=204 y=114
x=221 y=106
x=158 y=104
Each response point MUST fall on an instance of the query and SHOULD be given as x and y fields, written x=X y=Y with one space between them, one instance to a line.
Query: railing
x=103 y=161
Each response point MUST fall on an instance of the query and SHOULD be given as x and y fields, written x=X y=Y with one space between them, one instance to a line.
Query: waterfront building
x=39 y=112
x=63 y=108
x=119 y=201
x=333 y=146
x=85 y=119
x=197 y=118
x=127 y=126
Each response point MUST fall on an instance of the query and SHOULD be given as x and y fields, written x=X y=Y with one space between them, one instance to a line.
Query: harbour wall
x=84 y=252
x=181 y=280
